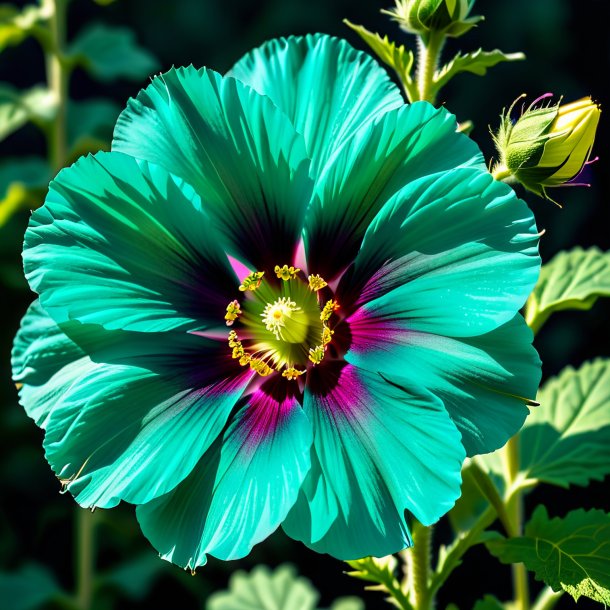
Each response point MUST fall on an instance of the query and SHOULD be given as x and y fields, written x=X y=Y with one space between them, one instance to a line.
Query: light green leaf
x=19 y=107
x=477 y=62
x=262 y=589
x=31 y=587
x=23 y=182
x=90 y=125
x=16 y=25
x=109 y=53
x=570 y=554
x=571 y=280
x=489 y=602
x=348 y=603
x=397 y=57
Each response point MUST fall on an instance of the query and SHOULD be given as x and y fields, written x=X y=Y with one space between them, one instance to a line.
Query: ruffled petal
x=326 y=88
x=126 y=245
x=242 y=488
x=399 y=147
x=455 y=254
x=382 y=449
x=239 y=152
x=485 y=382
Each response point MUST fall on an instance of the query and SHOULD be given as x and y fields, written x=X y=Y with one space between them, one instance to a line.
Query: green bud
x=547 y=146
x=424 y=16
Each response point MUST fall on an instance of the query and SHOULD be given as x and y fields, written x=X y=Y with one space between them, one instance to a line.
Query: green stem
x=502 y=173
x=429 y=53
x=85 y=557
x=419 y=582
x=57 y=78
x=515 y=512
x=547 y=599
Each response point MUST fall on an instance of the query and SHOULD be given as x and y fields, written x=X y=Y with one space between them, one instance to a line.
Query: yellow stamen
x=291 y=373
x=328 y=310
x=252 y=282
x=316 y=282
x=286 y=273
x=262 y=368
x=327 y=335
x=316 y=354
x=233 y=312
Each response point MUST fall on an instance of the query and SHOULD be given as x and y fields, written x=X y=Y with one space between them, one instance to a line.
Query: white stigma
x=275 y=315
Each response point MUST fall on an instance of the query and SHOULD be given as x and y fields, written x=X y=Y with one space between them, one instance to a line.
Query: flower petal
x=325 y=87
x=397 y=148
x=241 y=490
x=383 y=449
x=126 y=245
x=484 y=382
x=238 y=151
x=455 y=254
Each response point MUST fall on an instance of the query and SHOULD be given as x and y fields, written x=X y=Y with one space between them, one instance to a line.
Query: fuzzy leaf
x=348 y=603
x=262 y=589
x=571 y=280
x=570 y=554
x=19 y=107
x=477 y=62
x=109 y=53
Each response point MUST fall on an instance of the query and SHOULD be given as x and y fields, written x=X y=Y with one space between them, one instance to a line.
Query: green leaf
x=90 y=125
x=397 y=57
x=348 y=603
x=566 y=440
x=29 y=588
x=262 y=589
x=109 y=53
x=570 y=554
x=134 y=577
x=23 y=182
x=489 y=602
x=571 y=280
x=477 y=62
x=17 y=25
x=17 y=108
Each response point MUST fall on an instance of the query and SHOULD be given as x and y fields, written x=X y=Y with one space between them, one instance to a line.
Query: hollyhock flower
x=285 y=297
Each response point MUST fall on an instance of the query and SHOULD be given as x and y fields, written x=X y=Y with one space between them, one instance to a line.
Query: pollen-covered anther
x=252 y=282
x=327 y=335
x=261 y=367
x=286 y=273
x=328 y=310
x=275 y=315
x=233 y=312
x=316 y=354
x=292 y=374
x=316 y=282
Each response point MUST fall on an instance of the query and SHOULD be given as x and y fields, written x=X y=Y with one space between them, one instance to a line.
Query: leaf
x=570 y=554
x=16 y=25
x=477 y=62
x=90 y=125
x=397 y=57
x=19 y=107
x=571 y=280
x=29 y=588
x=566 y=440
x=262 y=589
x=109 y=53
x=134 y=577
x=489 y=602
x=348 y=603
x=23 y=182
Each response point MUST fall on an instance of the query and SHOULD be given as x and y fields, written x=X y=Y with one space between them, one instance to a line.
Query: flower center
x=282 y=325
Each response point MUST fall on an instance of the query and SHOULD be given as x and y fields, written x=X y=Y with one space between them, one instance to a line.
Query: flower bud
x=547 y=146
x=425 y=16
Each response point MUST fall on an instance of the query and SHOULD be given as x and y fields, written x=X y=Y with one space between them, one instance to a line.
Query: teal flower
x=284 y=297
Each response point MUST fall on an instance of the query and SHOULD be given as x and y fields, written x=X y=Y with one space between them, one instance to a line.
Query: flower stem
x=85 y=557
x=502 y=173
x=420 y=567
x=429 y=53
x=57 y=78
x=547 y=599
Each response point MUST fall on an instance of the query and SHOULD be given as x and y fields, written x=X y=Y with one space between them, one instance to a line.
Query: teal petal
x=399 y=147
x=126 y=245
x=242 y=488
x=485 y=382
x=454 y=254
x=383 y=449
x=326 y=88
x=238 y=151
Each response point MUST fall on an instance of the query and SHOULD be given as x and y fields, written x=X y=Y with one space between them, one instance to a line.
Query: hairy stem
x=429 y=54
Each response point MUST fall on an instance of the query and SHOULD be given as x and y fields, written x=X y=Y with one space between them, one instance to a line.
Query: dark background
x=568 y=49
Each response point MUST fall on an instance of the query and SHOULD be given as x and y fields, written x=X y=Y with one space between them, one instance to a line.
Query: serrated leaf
x=570 y=554
x=17 y=108
x=90 y=125
x=566 y=440
x=16 y=25
x=262 y=589
x=23 y=182
x=477 y=62
x=397 y=57
x=31 y=587
x=571 y=280
x=489 y=602
x=109 y=53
